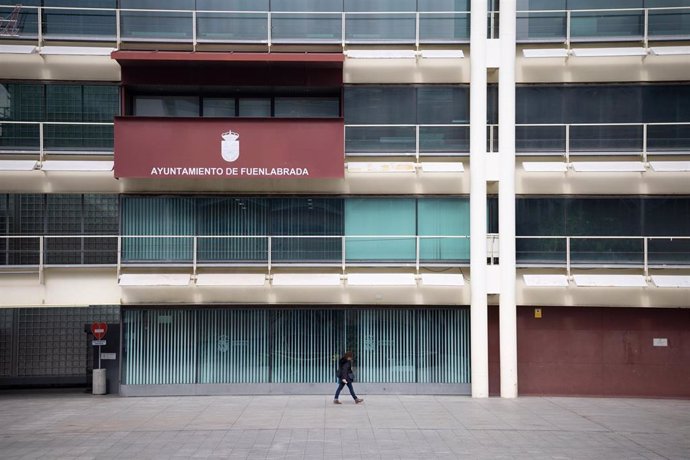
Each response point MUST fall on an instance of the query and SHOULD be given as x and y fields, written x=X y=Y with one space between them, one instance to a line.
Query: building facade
x=475 y=198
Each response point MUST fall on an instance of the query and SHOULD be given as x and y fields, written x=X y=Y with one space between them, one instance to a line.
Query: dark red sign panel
x=99 y=330
x=225 y=148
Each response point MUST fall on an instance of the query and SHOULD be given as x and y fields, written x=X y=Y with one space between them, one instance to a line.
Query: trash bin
x=99 y=381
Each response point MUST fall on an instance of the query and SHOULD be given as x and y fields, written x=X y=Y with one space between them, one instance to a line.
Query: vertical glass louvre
x=157 y=228
x=306 y=229
x=213 y=346
x=385 y=348
x=439 y=217
x=237 y=228
x=305 y=346
x=444 y=346
x=160 y=346
x=233 y=346
x=380 y=229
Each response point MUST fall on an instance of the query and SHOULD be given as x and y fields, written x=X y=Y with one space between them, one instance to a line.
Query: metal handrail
x=417 y=133
x=41 y=149
x=643 y=149
x=269 y=16
x=569 y=13
x=645 y=240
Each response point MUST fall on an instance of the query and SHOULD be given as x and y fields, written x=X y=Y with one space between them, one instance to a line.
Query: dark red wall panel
x=202 y=148
x=604 y=351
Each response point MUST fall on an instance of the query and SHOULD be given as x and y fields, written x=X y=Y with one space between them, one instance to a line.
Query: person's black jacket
x=345 y=370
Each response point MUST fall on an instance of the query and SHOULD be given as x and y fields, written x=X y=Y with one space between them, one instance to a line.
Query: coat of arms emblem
x=230 y=146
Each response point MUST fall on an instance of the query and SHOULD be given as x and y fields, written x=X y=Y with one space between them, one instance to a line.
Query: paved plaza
x=71 y=424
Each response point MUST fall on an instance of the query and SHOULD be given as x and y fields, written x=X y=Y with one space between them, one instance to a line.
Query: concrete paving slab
x=67 y=424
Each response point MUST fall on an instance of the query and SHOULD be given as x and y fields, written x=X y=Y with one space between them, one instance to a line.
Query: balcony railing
x=269 y=27
x=603 y=251
x=42 y=137
x=407 y=140
x=630 y=24
x=642 y=252
x=260 y=250
x=603 y=139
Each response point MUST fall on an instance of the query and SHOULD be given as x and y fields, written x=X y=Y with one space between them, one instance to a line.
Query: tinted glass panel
x=305 y=107
x=380 y=5
x=231 y=27
x=443 y=105
x=306 y=5
x=255 y=107
x=380 y=105
x=232 y=5
x=367 y=218
x=381 y=27
x=443 y=5
x=166 y=106
x=219 y=107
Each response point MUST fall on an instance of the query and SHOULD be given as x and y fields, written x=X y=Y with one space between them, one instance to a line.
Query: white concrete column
x=506 y=200
x=478 y=307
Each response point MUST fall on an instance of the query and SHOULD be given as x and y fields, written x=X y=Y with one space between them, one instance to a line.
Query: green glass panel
x=233 y=346
x=158 y=228
x=438 y=217
x=380 y=229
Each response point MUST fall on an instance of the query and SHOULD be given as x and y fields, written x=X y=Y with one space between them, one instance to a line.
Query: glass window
x=255 y=107
x=166 y=106
x=667 y=216
x=146 y=219
x=63 y=103
x=64 y=214
x=233 y=217
x=293 y=218
x=219 y=107
x=21 y=102
x=608 y=4
x=380 y=5
x=80 y=3
x=368 y=220
x=157 y=4
x=307 y=107
x=101 y=214
x=539 y=104
x=232 y=5
x=443 y=217
x=307 y=5
x=100 y=103
x=535 y=5
x=443 y=5
x=604 y=104
x=443 y=105
x=380 y=105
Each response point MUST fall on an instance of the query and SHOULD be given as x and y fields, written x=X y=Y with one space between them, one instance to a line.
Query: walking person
x=346 y=377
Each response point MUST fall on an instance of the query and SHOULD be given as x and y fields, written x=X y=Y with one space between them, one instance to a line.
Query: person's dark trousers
x=349 y=386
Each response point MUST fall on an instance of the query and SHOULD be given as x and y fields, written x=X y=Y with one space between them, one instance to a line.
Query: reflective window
x=219 y=107
x=166 y=106
x=306 y=107
x=380 y=105
x=255 y=107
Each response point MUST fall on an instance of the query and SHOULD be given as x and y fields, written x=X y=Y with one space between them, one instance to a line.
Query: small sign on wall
x=537 y=313
x=660 y=342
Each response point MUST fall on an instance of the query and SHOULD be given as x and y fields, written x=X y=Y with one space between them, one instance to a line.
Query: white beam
x=506 y=201
x=478 y=306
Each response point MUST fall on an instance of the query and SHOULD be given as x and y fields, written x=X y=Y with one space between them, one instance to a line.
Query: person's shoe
x=359 y=400
x=335 y=401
